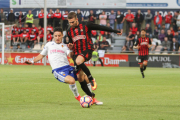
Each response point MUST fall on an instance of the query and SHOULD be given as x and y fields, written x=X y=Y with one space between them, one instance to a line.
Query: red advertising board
x=19 y=59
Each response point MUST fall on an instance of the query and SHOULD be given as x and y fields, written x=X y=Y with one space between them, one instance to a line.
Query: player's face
x=58 y=37
x=143 y=33
x=73 y=22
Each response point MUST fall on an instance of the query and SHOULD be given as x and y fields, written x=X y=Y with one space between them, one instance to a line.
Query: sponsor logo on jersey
x=78 y=37
x=144 y=43
x=81 y=30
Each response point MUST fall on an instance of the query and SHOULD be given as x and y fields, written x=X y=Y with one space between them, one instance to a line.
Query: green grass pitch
x=32 y=93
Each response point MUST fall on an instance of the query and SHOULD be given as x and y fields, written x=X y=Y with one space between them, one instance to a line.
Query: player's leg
x=145 y=62
x=140 y=60
x=101 y=62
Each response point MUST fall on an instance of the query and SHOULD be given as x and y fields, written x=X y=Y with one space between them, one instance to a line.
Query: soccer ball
x=86 y=101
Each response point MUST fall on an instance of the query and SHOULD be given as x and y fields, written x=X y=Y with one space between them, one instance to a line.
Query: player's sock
x=144 y=67
x=85 y=88
x=86 y=71
x=89 y=86
x=141 y=69
x=74 y=89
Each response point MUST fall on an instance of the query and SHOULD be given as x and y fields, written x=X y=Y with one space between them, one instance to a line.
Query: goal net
x=5 y=43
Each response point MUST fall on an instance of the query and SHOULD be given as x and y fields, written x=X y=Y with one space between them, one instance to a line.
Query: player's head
x=143 y=32
x=26 y=25
x=58 y=35
x=32 y=31
x=72 y=19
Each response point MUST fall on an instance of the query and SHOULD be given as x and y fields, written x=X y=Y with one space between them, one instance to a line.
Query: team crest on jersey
x=62 y=45
x=178 y=2
x=81 y=30
x=78 y=37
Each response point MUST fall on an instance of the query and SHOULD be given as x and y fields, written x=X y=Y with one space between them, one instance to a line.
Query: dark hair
x=177 y=11
x=58 y=29
x=143 y=30
x=72 y=15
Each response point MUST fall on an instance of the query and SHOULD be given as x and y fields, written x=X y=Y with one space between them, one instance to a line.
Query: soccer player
x=143 y=44
x=81 y=43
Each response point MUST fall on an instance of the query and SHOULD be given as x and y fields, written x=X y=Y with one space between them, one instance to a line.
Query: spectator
x=165 y=45
x=96 y=44
x=11 y=17
x=40 y=29
x=134 y=29
x=178 y=19
x=92 y=17
x=148 y=17
x=14 y=29
x=100 y=37
x=95 y=57
x=66 y=41
x=178 y=30
x=21 y=19
x=177 y=36
x=129 y=19
x=137 y=36
x=50 y=28
x=16 y=38
x=50 y=17
x=41 y=18
x=57 y=18
x=32 y=40
x=148 y=31
x=139 y=19
x=174 y=19
x=2 y=16
x=28 y=30
x=103 y=19
x=112 y=18
x=158 y=20
x=40 y=37
x=172 y=31
x=128 y=46
x=161 y=35
x=164 y=28
x=49 y=36
x=20 y=29
x=35 y=29
x=79 y=15
x=29 y=18
x=168 y=19
x=94 y=33
x=120 y=21
x=65 y=20
x=107 y=35
x=104 y=44
x=131 y=36
x=9 y=38
x=156 y=32
x=24 y=36
x=174 y=46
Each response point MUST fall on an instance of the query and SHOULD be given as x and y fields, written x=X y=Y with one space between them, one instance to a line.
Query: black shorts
x=141 y=59
x=87 y=55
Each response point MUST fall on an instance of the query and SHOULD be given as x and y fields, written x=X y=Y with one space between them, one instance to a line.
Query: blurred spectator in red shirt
x=94 y=33
x=172 y=31
x=14 y=29
x=28 y=29
x=139 y=19
x=16 y=37
x=35 y=29
x=134 y=29
x=50 y=17
x=24 y=36
x=57 y=18
x=129 y=19
x=92 y=17
x=21 y=18
x=40 y=37
x=20 y=29
x=168 y=19
x=40 y=29
x=31 y=40
x=50 y=28
x=158 y=20
x=49 y=36
x=41 y=18
x=65 y=20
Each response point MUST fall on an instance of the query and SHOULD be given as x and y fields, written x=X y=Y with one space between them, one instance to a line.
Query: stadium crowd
x=167 y=35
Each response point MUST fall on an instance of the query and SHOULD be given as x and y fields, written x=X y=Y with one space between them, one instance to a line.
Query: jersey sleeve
x=70 y=39
x=93 y=26
x=66 y=49
x=45 y=50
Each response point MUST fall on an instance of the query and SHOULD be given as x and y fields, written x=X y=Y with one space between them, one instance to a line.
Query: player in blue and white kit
x=57 y=55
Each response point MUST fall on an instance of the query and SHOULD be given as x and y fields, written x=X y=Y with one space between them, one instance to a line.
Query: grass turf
x=32 y=93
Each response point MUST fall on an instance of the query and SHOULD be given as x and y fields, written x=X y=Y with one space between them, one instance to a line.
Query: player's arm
x=38 y=58
x=136 y=46
x=149 y=45
x=70 y=54
x=93 y=26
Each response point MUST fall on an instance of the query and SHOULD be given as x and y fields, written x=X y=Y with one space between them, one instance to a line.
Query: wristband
x=71 y=50
x=32 y=61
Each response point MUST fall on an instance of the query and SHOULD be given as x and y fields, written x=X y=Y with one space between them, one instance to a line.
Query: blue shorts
x=62 y=72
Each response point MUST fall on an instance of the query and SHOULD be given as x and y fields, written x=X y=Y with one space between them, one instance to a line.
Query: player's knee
x=145 y=63
x=78 y=62
x=71 y=81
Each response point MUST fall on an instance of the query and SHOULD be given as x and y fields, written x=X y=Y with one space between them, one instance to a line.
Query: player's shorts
x=62 y=72
x=141 y=59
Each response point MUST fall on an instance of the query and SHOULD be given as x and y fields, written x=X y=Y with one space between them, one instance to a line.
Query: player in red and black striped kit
x=143 y=44
x=81 y=43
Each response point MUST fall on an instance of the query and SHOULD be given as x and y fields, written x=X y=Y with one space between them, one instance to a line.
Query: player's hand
x=119 y=33
x=28 y=62
x=70 y=46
